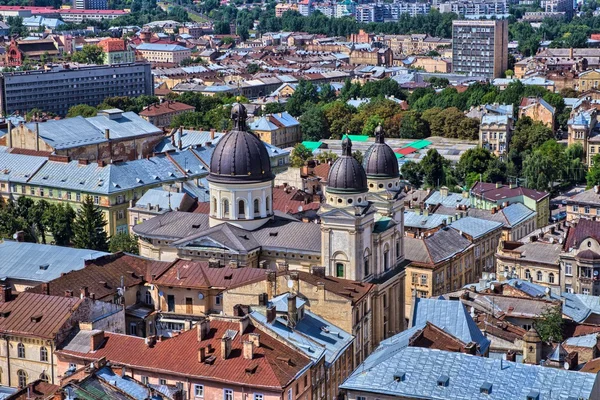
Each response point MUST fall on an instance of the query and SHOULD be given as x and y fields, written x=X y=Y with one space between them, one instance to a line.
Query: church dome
x=240 y=156
x=380 y=161
x=346 y=175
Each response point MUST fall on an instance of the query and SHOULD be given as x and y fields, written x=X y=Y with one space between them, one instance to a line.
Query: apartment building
x=495 y=132
x=161 y=114
x=480 y=47
x=90 y=4
x=116 y=51
x=584 y=205
x=538 y=110
x=280 y=129
x=163 y=53
x=60 y=88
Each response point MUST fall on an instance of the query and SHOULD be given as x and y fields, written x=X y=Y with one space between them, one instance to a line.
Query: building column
x=263 y=204
x=250 y=206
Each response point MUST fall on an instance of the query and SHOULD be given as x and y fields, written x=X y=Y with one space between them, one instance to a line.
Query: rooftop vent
x=195 y=226
x=36 y=318
x=399 y=376
x=533 y=395
x=44 y=267
x=443 y=381
x=486 y=388
x=273 y=234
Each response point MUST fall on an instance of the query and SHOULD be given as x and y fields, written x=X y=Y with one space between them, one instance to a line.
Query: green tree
x=313 y=124
x=358 y=156
x=550 y=325
x=123 y=242
x=412 y=172
x=413 y=127
x=300 y=154
x=89 y=54
x=82 y=110
x=273 y=108
x=476 y=160
x=304 y=97
x=59 y=221
x=593 y=175
x=338 y=115
x=88 y=227
x=252 y=68
x=433 y=165
x=545 y=166
x=325 y=156
x=529 y=135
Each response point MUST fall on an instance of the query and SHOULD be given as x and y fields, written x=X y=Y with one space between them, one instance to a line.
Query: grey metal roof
x=589 y=341
x=127 y=125
x=68 y=133
x=162 y=198
x=172 y=225
x=161 y=47
x=452 y=317
x=436 y=248
x=475 y=227
x=414 y=220
x=18 y=167
x=579 y=307
x=467 y=374
x=126 y=384
x=449 y=200
x=516 y=213
x=41 y=262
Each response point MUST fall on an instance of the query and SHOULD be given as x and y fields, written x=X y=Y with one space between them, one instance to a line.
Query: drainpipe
x=52 y=361
x=8 y=359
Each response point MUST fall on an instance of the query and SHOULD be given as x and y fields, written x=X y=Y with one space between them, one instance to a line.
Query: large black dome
x=240 y=156
x=346 y=175
x=380 y=161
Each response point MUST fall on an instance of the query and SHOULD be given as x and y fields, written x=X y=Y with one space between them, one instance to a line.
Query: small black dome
x=240 y=156
x=380 y=161
x=346 y=175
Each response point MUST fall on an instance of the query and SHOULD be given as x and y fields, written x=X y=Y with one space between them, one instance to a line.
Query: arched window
x=386 y=258
x=148 y=297
x=398 y=250
x=22 y=375
x=256 y=206
x=366 y=265
x=241 y=208
x=539 y=276
x=44 y=377
x=550 y=278
x=138 y=296
x=21 y=350
x=226 y=207
x=268 y=205
x=43 y=354
x=527 y=274
x=214 y=204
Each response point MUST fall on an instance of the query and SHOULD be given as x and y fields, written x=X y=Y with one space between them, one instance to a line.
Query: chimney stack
x=203 y=328
x=84 y=292
x=46 y=287
x=201 y=354
x=292 y=310
x=212 y=134
x=225 y=347
x=244 y=322
x=248 y=350
x=271 y=314
x=5 y=293
x=96 y=340
x=9 y=136
x=37 y=136
x=255 y=339
x=68 y=293
x=107 y=133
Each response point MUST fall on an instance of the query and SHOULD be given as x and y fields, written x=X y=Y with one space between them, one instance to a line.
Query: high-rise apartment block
x=480 y=47
x=90 y=4
x=58 y=89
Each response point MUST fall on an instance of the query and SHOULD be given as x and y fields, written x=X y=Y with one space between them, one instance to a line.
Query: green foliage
x=433 y=166
x=550 y=325
x=123 y=242
x=545 y=166
x=593 y=174
x=412 y=172
x=273 y=108
x=135 y=104
x=358 y=156
x=178 y=13
x=303 y=98
x=89 y=54
x=252 y=68
x=473 y=161
x=529 y=135
x=82 y=110
x=451 y=123
x=338 y=115
x=88 y=227
x=325 y=156
x=59 y=221
x=413 y=126
x=313 y=124
x=300 y=154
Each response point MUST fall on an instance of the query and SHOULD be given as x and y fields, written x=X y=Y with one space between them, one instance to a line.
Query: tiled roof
x=52 y=310
x=290 y=200
x=584 y=229
x=269 y=368
x=343 y=287
x=491 y=193
x=35 y=390
x=166 y=107
x=198 y=275
x=41 y=262
x=421 y=369
x=452 y=317
x=103 y=276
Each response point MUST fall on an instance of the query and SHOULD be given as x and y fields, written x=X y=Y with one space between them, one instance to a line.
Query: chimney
x=255 y=339
x=46 y=287
x=37 y=136
x=9 y=136
x=318 y=271
x=203 y=328
x=271 y=314
x=212 y=134
x=96 y=340
x=244 y=322
x=248 y=349
x=107 y=133
x=498 y=185
x=225 y=347
x=5 y=293
x=201 y=354
x=19 y=236
x=292 y=310
x=68 y=293
x=511 y=356
x=84 y=292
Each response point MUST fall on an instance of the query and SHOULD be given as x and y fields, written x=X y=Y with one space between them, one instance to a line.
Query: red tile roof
x=288 y=200
x=166 y=107
x=274 y=365
x=405 y=150
x=585 y=228
x=490 y=192
x=352 y=290
x=322 y=170
x=35 y=390
x=103 y=275
x=36 y=315
x=112 y=44
x=198 y=275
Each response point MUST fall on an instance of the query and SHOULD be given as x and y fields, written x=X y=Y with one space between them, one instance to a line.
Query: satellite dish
x=566 y=365
x=300 y=209
x=200 y=296
x=290 y=284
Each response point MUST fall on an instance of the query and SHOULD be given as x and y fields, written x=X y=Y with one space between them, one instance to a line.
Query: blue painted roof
x=23 y=260
x=126 y=384
x=450 y=200
x=263 y=123
x=488 y=119
x=589 y=341
x=452 y=317
x=502 y=109
x=18 y=168
x=475 y=227
x=414 y=220
x=422 y=367
x=532 y=289
x=579 y=307
x=515 y=213
x=161 y=198
x=280 y=302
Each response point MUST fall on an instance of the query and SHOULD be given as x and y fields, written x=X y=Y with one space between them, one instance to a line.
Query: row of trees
x=40 y=220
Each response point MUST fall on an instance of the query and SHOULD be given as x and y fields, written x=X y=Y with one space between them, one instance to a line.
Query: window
x=568 y=269
x=144 y=380
x=587 y=209
x=386 y=260
x=339 y=270
x=78 y=197
x=214 y=204
x=423 y=279
x=199 y=390
x=68 y=195
x=361 y=398
x=21 y=350
x=32 y=191
x=550 y=278
x=133 y=328
x=219 y=299
x=539 y=276
x=170 y=303
x=120 y=199
x=258 y=396
x=366 y=264
x=256 y=206
x=268 y=201
x=226 y=207
x=96 y=199
x=44 y=354
x=527 y=274
x=290 y=394
x=121 y=214
x=585 y=291
x=162 y=381
x=227 y=394
x=397 y=249
x=575 y=208
x=241 y=208
x=22 y=375
x=50 y=193
x=148 y=297
x=44 y=377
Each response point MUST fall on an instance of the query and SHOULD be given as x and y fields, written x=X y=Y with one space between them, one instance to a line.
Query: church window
x=226 y=207
x=339 y=270
x=241 y=208
x=256 y=206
